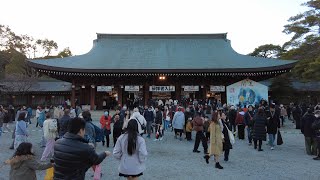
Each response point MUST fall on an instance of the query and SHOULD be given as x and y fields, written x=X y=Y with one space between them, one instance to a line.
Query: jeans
x=166 y=124
x=272 y=138
x=249 y=129
x=149 y=126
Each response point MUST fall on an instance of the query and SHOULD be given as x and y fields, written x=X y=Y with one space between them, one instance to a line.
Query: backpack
x=53 y=125
x=99 y=133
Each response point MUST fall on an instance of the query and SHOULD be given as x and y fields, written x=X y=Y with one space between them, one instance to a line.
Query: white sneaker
x=272 y=148
x=161 y=139
x=155 y=140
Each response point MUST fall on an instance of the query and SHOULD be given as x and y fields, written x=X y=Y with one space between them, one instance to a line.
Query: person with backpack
x=50 y=130
x=117 y=129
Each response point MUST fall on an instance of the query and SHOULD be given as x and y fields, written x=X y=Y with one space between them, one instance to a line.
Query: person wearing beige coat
x=216 y=142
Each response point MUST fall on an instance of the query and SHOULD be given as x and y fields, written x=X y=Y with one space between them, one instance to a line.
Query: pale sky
x=74 y=23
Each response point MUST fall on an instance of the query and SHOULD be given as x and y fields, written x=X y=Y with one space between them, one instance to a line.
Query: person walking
x=38 y=111
x=232 y=114
x=6 y=120
x=158 y=121
x=248 y=121
x=178 y=122
x=226 y=141
x=309 y=134
x=117 y=129
x=198 y=127
x=273 y=117
x=240 y=123
x=141 y=120
x=283 y=114
x=63 y=123
x=131 y=150
x=297 y=114
x=316 y=128
x=90 y=133
x=50 y=130
x=216 y=142
x=167 y=118
x=105 y=121
x=126 y=120
x=21 y=133
x=73 y=156
x=259 y=129
x=24 y=164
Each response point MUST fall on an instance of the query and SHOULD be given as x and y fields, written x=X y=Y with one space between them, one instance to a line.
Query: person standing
x=29 y=114
x=283 y=114
x=273 y=117
x=259 y=129
x=73 y=156
x=232 y=114
x=297 y=114
x=309 y=134
x=149 y=117
x=21 y=133
x=126 y=120
x=189 y=129
x=178 y=122
x=316 y=127
x=24 y=164
x=50 y=130
x=226 y=141
x=216 y=142
x=117 y=129
x=105 y=122
x=131 y=150
x=2 y=114
x=158 y=121
x=90 y=133
x=141 y=120
x=38 y=111
x=248 y=121
x=63 y=123
x=167 y=118
x=198 y=127
x=240 y=123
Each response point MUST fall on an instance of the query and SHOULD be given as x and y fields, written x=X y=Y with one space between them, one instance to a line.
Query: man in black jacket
x=73 y=156
x=309 y=134
x=149 y=116
x=63 y=123
x=316 y=127
x=158 y=121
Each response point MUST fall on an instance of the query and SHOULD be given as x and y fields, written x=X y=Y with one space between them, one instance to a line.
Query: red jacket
x=240 y=118
x=104 y=120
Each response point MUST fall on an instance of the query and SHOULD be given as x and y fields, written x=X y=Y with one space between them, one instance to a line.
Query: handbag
x=97 y=172
x=231 y=136
x=279 y=138
x=49 y=174
x=143 y=127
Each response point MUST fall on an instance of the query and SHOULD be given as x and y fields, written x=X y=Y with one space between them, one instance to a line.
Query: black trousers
x=188 y=134
x=282 y=120
x=207 y=135
x=241 y=131
x=226 y=153
x=200 y=137
x=318 y=145
x=180 y=131
x=106 y=134
x=232 y=126
x=257 y=143
x=115 y=138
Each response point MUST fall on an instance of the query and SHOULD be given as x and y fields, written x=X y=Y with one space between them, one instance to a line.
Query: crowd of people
x=70 y=137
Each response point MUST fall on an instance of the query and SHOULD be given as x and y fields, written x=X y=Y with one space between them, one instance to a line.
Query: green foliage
x=281 y=87
x=267 y=51
x=65 y=53
x=305 y=25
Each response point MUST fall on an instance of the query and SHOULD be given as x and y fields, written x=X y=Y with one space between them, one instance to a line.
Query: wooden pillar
x=204 y=92
x=73 y=94
x=146 y=93
x=120 y=95
x=92 y=96
x=178 y=92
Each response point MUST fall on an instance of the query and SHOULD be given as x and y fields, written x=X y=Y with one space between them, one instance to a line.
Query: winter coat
x=73 y=157
x=178 y=120
x=273 y=122
x=206 y=125
x=297 y=113
x=7 y=116
x=41 y=118
x=216 y=145
x=141 y=119
x=232 y=116
x=2 y=115
x=134 y=164
x=248 y=118
x=63 y=124
x=240 y=118
x=104 y=120
x=148 y=115
x=90 y=132
x=259 y=127
x=226 y=144
x=50 y=129
x=306 y=125
x=24 y=167
x=158 y=119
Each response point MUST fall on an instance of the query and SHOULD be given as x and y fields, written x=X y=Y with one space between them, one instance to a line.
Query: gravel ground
x=174 y=159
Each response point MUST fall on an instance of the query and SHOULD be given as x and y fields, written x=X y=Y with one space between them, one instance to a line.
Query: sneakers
x=250 y=144
x=161 y=138
x=272 y=148
x=218 y=166
x=196 y=151
x=316 y=158
x=260 y=149
x=206 y=157
x=156 y=140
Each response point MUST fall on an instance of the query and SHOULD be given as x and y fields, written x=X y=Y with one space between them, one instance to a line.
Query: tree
x=47 y=45
x=65 y=53
x=267 y=51
x=305 y=25
x=281 y=88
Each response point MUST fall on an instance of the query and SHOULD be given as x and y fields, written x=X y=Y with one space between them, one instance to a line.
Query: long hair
x=215 y=117
x=132 y=131
x=22 y=116
x=23 y=149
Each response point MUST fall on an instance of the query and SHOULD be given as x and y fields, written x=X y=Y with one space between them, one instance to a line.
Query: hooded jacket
x=24 y=167
x=141 y=119
x=178 y=120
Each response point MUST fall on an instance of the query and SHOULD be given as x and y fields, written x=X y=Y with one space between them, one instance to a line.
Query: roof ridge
x=199 y=35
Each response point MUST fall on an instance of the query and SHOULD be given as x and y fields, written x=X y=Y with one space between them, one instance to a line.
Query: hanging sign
x=104 y=88
x=217 y=88
x=131 y=88
x=190 y=88
x=162 y=88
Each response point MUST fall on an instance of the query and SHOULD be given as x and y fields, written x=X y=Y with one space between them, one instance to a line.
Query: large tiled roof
x=112 y=52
